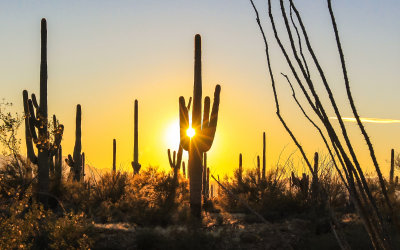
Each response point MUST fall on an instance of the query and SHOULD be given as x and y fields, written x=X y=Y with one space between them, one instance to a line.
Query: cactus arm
x=171 y=161
x=70 y=161
x=189 y=103
x=34 y=101
x=208 y=133
x=83 y=165
x=183 y=123
x=179 y=157
x=28 y=137
x=55 y=122
x=215 y=108
x=206 y=113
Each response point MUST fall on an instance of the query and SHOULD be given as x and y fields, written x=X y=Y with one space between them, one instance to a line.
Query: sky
x=105 y=54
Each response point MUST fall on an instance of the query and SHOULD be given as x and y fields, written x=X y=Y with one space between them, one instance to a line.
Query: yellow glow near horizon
x=172 y=136
x=190 y=132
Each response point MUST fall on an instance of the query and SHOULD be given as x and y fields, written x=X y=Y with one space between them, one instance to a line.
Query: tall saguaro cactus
x=38 y=120
x=75 y=161
x=135 y=164
x=204 y=127
x=258 y=170
x=391 y=173
x=240 y=170
x=114 y=167
x=264 y=159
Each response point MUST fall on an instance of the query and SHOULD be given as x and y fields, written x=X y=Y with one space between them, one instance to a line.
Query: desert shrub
x=25 y=224
x=269 y=197
x=149 y=198
x=110 y=187
x=75 y=196
x=145 y=199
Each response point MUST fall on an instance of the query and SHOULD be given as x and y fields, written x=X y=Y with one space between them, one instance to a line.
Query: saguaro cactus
x=204 y=130
x=204 y=176
x=135 y=164
x=175 y=161
x=258 y=169
x=240 y=170
x=58 y=165
x=184 y=169
x=75 y=161
x=391 y=174
x=114 y=166
x=263 y=166
x=38 y=121
x=83 y=166
x=208 y=183
x=314 y=181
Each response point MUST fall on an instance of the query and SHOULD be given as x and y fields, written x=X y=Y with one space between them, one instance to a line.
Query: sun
x=190 y=132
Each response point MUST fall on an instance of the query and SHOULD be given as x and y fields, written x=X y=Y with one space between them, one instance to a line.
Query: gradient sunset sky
x=104 y=54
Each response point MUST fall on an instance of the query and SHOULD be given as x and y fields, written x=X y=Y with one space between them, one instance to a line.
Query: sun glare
x=190 y=132
x=172 y=135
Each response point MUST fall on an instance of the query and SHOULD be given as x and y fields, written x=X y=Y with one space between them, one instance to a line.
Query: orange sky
x=104 y=55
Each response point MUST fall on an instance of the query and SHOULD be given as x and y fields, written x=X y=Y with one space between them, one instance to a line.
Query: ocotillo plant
x=263 y=164
x=135 y=164
x=75 y=161
x=204 y=130
x=240 y=171
x=391 y=174
x=38 y=121
x=114 y=166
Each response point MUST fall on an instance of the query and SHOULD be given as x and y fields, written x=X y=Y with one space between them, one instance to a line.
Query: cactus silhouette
x=302 y=184
x=114 y=166
x=135 y=164
x=57 y=163
x=263 y=163
x=75 y=161
x=204 y=189
x=175 y=161
x=83 y=166
x=391 y=173
x=204 y=131
x=315 y=181
x=58 y=166
x=258 y=169
x=208 y=184
x=184 y=169
x=38 y=120
x=240 y=170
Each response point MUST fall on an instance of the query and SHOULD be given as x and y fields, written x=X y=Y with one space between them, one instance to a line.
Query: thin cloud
x=368 y=120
